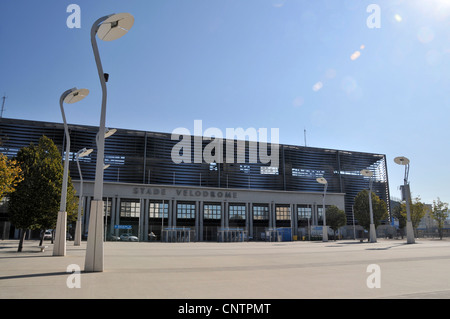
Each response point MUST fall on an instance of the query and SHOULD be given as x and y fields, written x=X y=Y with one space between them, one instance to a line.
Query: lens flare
x=317 y=86
x=355 y=55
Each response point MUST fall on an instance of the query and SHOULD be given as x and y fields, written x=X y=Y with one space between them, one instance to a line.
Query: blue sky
x=283 y=64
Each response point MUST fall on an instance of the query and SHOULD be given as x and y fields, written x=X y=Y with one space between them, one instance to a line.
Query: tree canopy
x=35 y=202
x=10 y=175
x=440 y=214
x=362 y=209
x=335 y=218
x=418 y=211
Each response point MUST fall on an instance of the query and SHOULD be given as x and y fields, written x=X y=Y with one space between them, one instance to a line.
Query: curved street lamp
x=81 y=153
x=107 y=28
x=322 y=180
x=401 y=160
x=70 y=96
x=373 y=232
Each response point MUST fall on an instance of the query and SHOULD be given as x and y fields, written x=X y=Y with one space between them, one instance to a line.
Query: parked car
x=48 y=234
x=114 y=238
x=128 y=237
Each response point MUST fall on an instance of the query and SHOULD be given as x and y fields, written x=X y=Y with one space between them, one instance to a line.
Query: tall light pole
x=81 y=153
x=323 y=181
x=108 y=28
x=59 y=248
x=406 y=194
x=373 y=232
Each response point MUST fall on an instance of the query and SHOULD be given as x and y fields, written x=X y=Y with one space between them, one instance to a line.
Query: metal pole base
x=77 y=240
x=59 y=247
x=373 y=233
x=324 y=233
x=94 y=248
x=409 y=233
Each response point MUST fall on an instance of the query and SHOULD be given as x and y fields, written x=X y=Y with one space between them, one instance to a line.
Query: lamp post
x=323 y=181
x=81 y=153
x=70 y=96
x=373 y=232
x=401 y=160
x=108 y=28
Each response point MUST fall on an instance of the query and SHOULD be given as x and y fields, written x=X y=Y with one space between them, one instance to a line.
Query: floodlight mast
x=108 y=28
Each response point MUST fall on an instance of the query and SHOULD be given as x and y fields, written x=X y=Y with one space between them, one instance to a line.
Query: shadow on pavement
x=59 y=273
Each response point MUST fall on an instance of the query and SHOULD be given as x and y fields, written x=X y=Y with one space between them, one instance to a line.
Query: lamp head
x=367 y=172
x=75 y=95
x=109 y=132
x=84 y=152
x=321 y=180
x=401 y=160
x=115 y=26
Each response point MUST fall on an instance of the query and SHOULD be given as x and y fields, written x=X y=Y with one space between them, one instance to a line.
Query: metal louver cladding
x=145 y=158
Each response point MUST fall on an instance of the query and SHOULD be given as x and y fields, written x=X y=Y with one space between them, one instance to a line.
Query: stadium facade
x=150 y=196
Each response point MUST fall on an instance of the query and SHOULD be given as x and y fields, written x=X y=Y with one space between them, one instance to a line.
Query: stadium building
x=151 y=197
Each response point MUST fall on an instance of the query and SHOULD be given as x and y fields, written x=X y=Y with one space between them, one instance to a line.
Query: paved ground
x=287 y=270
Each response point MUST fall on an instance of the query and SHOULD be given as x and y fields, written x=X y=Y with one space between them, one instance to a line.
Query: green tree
x=418 y=211
x=397 y=213
x=335 y=218
x=362 y=209
x=10 y=175
x=440 y=214
x=35 y=202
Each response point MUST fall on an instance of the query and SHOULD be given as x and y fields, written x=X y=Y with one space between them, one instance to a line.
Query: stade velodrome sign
x=183 y=192
x=123 y=190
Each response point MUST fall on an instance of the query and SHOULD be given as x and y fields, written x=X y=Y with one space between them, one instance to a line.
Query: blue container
x=285 y=233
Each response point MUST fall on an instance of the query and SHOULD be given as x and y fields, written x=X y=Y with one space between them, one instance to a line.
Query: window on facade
x=237 y=212
x=244 y=168
x=212 y=211
x=130 y=208
x=114 y=159
x=304 y=212
x=107 y=206
x=320 y=214
x=301 y=172
x=269 y=170
x=283 y=212
x=158 y=210
x=73 y=157
x=260 y=212
x=186 y=211
x=10 y=151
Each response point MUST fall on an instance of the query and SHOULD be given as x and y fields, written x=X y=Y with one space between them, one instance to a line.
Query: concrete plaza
x=282 y=270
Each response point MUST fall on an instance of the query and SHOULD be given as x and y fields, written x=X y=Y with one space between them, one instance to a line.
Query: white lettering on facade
x=184 y=192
